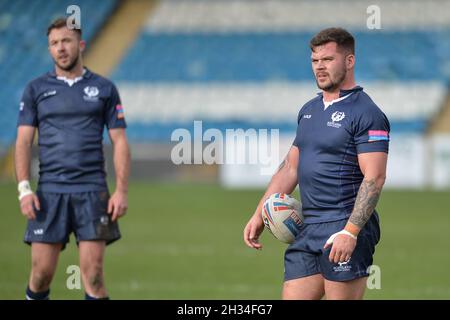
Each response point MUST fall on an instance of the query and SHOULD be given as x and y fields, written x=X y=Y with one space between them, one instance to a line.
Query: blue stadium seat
x=161 y=57
x=203 y=58
x=200 y=59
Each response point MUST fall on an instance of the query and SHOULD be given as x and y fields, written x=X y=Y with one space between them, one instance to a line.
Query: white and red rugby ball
x=282 y=216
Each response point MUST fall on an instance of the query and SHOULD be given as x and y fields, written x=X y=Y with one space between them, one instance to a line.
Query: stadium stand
x=226 y=62
x=245 y=64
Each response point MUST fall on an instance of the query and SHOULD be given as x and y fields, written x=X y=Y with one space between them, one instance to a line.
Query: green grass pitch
x=185 y=242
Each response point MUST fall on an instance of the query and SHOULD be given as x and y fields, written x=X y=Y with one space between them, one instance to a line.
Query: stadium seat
x=218 y=61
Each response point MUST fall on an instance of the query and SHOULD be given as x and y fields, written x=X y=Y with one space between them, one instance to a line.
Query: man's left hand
x=342 y=245
x=118 y=205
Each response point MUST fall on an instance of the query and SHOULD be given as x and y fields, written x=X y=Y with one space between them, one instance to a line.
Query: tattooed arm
x=373 y=167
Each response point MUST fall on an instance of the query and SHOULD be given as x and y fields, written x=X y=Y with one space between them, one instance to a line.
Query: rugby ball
x=282 y=216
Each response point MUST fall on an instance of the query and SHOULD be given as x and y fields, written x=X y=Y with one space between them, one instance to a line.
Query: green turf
x=185 y=242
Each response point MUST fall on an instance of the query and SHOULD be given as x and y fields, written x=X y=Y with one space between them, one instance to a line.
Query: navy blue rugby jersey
x=329 y=141
x=71 y=119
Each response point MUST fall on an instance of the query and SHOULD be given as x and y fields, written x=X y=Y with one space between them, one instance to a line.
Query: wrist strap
x=348 y=233
x=24 y=189
x=334 y=235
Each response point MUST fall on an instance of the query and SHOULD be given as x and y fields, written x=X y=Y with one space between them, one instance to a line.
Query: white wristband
x=24 y=189
x=331 y=239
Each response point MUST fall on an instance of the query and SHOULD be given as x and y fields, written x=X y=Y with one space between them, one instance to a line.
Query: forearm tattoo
x=365 y=202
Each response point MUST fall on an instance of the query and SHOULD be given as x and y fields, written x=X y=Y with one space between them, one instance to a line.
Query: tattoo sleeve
x=365 y=202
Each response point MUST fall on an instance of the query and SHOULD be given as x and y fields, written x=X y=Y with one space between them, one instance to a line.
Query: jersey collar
x=343 y=93
x=86 y=73
x=326 y=104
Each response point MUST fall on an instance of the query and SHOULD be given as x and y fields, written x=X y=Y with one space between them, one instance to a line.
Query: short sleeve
x=28 y=108
x=372 y=131
x=114 y=114
x=297 y=138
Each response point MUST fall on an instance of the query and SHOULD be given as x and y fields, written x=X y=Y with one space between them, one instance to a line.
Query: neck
x=347 y=84
x=75 y=72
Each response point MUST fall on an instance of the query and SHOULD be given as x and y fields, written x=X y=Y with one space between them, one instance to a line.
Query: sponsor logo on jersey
x=49 y=93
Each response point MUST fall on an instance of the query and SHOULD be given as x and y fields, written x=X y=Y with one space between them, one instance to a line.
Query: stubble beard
x=333 y=84
x=70 y=66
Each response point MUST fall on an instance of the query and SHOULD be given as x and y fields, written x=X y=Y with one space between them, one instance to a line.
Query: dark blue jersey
x=329 y=141
x=70 y=121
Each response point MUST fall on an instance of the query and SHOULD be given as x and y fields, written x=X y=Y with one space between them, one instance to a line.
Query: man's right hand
x=253 y=230
x=284 y=180
x=27 y=205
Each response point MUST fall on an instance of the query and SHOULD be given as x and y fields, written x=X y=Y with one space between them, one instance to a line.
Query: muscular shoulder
x=366 y=113
x=363 y=105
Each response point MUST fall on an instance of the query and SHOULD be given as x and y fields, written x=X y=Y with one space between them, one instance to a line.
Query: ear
x=350 y=61
x=82 y=45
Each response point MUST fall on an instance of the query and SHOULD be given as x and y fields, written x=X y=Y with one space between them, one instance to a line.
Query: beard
x=71 y=64
x=334 y=82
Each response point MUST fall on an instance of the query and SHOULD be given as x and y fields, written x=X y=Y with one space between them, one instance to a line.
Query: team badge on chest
x=335 y=118
x=91 y=94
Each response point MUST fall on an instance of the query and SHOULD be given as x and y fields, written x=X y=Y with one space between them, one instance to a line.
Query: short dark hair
x=342 y=37
x=61 y=23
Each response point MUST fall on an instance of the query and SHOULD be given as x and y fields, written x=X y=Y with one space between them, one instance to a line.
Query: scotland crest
x=337 y=116
x=91 y=93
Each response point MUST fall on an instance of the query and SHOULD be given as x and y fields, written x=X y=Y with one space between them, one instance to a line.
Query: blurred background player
x=339 y=161
x=70 y=106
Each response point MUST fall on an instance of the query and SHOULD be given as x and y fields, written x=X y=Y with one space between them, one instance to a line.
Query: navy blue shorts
x=84 y=214
x=306 y=256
